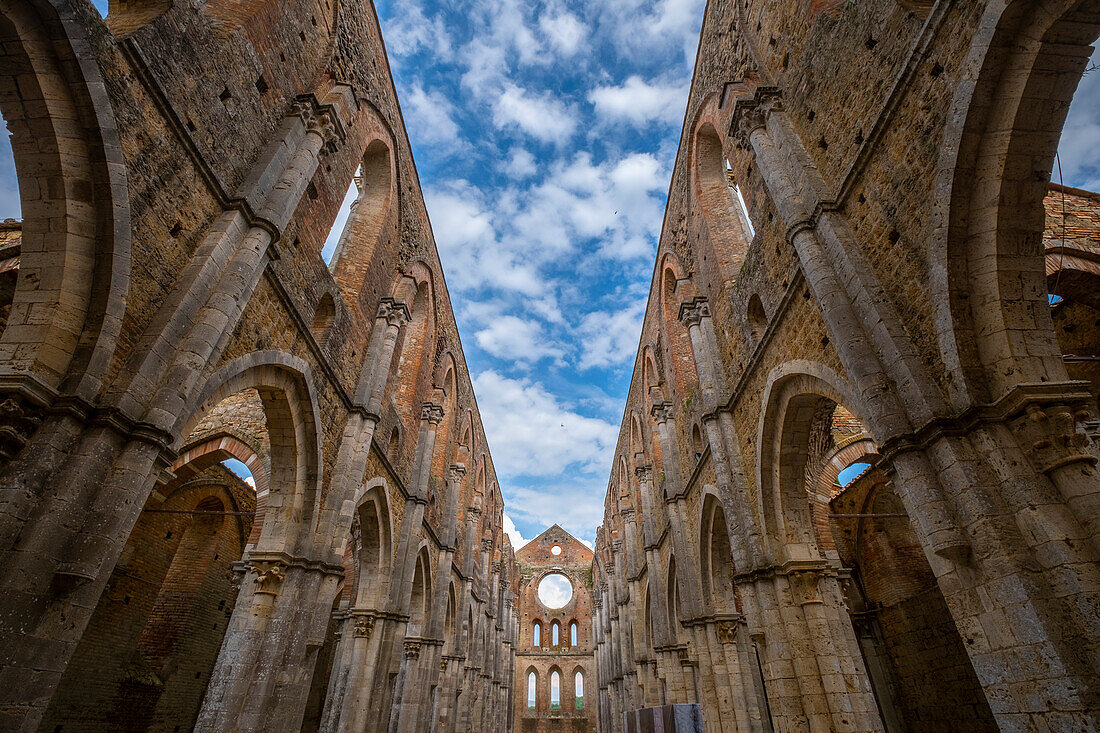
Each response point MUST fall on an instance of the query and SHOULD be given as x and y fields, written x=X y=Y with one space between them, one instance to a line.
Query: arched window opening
x=531 y=690
x=578 y=690
x=573 y=634
x=367 y=216
x=757 y=318
x=697 y=442
x=323 y=317
x=744 y=210
x=555 y=691
x=240 y=470
x=340 y=229
x=537 y=634
x=11 y=229
x=555 y=632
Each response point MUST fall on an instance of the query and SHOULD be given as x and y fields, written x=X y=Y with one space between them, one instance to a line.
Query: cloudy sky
x=544 y=133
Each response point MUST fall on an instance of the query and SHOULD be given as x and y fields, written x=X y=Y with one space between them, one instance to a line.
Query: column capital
x=751 y=114
x=456 y=471
x=395 y=312
x=692 y=312
x=318 y=119
x=432 y=412
x=661 y=412
x=644 y=473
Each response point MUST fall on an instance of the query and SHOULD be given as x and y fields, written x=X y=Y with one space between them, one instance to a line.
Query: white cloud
x=564 y=31
x=520 y=165
x=541 y=116
x=430 y=117
x=1077 y=151
x=518 y=540
x=534 y=434
x=410 y=32
x=509 y=337
x=640 y=102
x=575 y=504
x=610 y=338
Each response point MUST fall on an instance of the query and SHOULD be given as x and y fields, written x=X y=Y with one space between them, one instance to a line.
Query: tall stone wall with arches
x=242 y=486
x=855 y=485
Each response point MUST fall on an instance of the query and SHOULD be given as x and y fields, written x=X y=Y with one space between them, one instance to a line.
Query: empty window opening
x=555 y=550
x=851 y=473
x=531 y=690
x=578 y=690
x=573 y=634
x=555 y=691
x=555 y=590
x=241 y=471
x=340 y=227
x=555 y=634
x=697 y=442
x=743 y=209
x=537 y=632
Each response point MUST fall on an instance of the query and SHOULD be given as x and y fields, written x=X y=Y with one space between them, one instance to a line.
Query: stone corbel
x=661 y=412
x=432 y=412
x=270 y=575
x=1048 y=434
x=727 y=632
x=395 y=312
x=692 y=312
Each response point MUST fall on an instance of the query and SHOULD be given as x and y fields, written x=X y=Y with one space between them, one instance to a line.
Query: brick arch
x=420 y=593
x=987 y=257
x=285 y=386
x=792 y=394
x=200 y=456
x=412 y=367
x=374 y=214
x=726 y=241
x=69 y=300
x=676 y=288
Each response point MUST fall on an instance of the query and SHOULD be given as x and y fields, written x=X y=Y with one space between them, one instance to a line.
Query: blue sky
x=544 y=133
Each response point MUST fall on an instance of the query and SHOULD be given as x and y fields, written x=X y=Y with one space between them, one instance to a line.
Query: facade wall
x=574 y=714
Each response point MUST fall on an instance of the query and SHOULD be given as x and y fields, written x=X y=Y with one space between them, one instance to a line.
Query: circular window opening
x=555 y=550
x=555 y=590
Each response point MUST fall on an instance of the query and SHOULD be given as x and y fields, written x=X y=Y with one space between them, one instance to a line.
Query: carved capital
x=661 y=412
x=750 y=115
x=432 y=412
x=395 y=312
x=364 y=626
x=1048 y=434
x=456 y=472
x=318 y=120
x=611 y=567
x=486 y=544
x=472 y=513
x=692 y=312
x=727 y=632
x=269 y=576
x=412 y=649
x=644 y=473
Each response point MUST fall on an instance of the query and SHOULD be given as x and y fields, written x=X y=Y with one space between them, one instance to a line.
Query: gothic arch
x=285 y=386
x=374 y=558
x=727 y=238
x=74 y=271
x=993 y=324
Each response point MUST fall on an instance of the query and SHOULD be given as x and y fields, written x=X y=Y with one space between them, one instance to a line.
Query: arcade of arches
x=855 y=487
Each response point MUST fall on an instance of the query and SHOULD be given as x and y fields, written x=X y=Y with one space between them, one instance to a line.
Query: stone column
x=407 y=705
x=348 y=696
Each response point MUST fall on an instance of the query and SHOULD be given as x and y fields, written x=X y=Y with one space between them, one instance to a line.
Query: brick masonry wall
x=534 y=561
